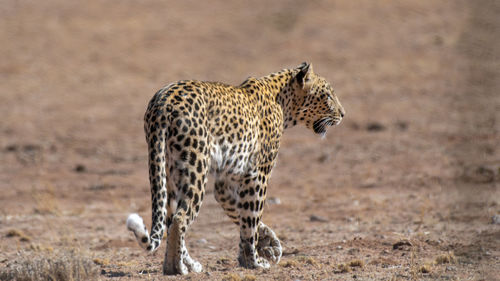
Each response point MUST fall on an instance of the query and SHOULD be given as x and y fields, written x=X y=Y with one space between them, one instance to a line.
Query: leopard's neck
x=279 y=86
x=283 y=93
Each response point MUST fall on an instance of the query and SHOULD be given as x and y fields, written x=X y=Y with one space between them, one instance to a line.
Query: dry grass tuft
x=63 y=266
x=46 y=202
x=231 y=277
x=18 y=233
x=290 y=263
x=249 y=277
x=342 y=268
x=100 y=261
x=446 y=258
x=40 y=248
x=426 y=268
x=224 y=260
x=309 y=261
x=312 y=261
x=356 y=263
x=126 y=263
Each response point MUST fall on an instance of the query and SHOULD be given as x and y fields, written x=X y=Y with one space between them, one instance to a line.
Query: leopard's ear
x=304 y=74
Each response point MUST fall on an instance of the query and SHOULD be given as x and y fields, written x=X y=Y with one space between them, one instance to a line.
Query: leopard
x=196 y=129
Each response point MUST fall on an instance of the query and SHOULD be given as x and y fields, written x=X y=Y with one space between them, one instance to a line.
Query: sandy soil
x=407 y=181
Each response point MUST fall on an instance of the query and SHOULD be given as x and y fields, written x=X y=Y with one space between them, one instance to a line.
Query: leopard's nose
x=342 y=112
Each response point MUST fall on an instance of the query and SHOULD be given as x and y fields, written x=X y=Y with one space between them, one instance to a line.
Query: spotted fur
x=193 y=128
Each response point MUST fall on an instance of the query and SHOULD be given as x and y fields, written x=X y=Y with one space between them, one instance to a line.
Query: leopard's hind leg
x=224 y=192
x=189 y=176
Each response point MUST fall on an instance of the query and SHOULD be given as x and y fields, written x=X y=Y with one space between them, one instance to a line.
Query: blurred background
x=416 y=158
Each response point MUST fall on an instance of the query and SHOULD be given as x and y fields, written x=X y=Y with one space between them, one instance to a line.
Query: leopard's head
x=316 y=105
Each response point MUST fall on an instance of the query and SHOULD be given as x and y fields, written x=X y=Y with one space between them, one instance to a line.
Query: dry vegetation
x=406 y=188
x=68 y=265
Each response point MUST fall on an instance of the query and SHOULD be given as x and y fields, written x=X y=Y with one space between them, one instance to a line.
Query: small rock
x=349 y=219
x=369 y=183
x=402 y=245
x=104 y=186
x=318 y=218
x=432 y=242
x=273 y=200
x=375 y=127
x=11 y=147
x=495 y=219
x=31 y=147
x=353 y=251
x=80 y=168
x=401 y=125
x=451 y=268
x=479 y=174
x=148 y=271
x=324 y=158
x=30 y=153
x=202 y=241
x=113 y=273
x=339 y=247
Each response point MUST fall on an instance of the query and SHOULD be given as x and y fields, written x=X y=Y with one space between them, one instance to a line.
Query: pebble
x=353 y=251
x=479 y=174
x=495 y=219
x=375 y=127
x=403 y=244
x=273 y=200
x=80 y=168
x=318 y=218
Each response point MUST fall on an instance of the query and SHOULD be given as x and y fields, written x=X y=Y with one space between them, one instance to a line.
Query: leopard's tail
x=156 y=138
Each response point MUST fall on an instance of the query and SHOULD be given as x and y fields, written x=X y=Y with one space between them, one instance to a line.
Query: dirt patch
x=413 y=164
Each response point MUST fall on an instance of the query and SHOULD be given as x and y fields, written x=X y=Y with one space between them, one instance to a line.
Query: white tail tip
x=136 y=224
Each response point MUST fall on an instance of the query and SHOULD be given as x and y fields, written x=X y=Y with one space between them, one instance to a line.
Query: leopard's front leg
x=252 y=195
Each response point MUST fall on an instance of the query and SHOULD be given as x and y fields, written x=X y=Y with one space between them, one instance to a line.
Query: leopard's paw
x=269 y=246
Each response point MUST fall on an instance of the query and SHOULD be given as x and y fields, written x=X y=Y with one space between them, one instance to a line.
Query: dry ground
x=407 y=187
